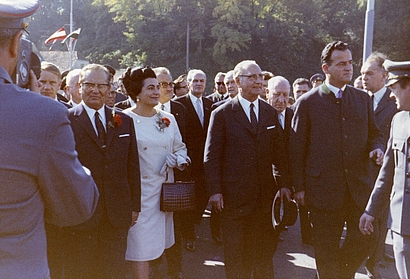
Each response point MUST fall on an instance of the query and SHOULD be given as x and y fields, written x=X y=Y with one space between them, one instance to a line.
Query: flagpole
x=71 y=39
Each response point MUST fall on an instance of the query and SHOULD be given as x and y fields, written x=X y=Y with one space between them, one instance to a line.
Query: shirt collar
x=379 y=94
x=194 y=98
x=91 y=113
x=167 y=106
x=334 y=89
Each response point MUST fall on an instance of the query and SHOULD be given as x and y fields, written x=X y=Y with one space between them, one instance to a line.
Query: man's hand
x=217 y=202
x=300 y=197
x=134 y=218
x=377 y=155
x=34 y=84
x=285 y=192
x=365 y=224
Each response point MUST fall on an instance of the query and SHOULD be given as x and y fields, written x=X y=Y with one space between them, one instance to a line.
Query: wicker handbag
x=177 y=196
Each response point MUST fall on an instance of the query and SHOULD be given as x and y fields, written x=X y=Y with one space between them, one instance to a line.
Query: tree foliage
x=285 y=37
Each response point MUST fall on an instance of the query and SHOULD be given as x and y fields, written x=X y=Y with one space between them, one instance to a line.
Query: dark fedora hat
x=283 y=214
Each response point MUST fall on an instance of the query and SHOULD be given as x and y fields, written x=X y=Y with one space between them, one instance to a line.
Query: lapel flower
x=116 y=119
x=162 y=121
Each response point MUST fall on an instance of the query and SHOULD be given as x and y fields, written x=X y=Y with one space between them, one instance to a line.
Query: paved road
x=292 y=260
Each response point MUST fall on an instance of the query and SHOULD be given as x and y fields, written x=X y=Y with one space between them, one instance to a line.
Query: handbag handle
x=186 y=168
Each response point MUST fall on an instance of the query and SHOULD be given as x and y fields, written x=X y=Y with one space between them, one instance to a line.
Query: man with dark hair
x=300 y=86
x=220 y=92
x=333 y=142
x=180 y=86
x=393 y=185
x=41 y=178
x=374 y=79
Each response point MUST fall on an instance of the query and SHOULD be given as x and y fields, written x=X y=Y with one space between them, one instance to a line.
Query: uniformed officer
x=393 y=183
x=41 y=179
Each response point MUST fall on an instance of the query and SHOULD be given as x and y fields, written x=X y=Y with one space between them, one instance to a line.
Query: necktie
x=100 y=128
x=281 y=120
x=340 y=94
x=198 y=108
x=372 y=97
x=254 y=120
x=162 y=107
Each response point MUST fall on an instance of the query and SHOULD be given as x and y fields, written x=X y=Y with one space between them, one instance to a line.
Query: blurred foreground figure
x=41 y=179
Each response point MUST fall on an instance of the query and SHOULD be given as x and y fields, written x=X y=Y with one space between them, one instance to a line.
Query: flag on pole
x=58 y=35
x=73 y=35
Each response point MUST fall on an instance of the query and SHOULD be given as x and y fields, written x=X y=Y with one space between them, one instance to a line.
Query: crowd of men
x=70 y=171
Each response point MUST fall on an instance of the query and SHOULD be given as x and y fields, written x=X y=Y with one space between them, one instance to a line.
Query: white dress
x=154 y=230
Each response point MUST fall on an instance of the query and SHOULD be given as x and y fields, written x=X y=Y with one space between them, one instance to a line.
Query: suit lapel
x=263 y=118
x=384 y=101
x=84 y=121
x=110 y=125
x=240 y=115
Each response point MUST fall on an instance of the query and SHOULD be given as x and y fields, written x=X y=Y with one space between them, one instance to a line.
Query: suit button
x=145 y=148
x=346 y=170
x=345 y=136
x=344 y=119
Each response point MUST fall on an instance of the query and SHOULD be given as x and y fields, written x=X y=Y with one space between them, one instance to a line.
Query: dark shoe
x=190 y=245
x=177 y=275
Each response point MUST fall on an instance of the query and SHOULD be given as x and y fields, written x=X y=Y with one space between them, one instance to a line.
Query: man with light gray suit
x=41 y=179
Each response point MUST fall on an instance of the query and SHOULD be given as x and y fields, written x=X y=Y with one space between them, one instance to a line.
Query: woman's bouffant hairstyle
x=133 y=80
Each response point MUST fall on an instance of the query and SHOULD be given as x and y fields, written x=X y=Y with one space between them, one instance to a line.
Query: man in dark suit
x=244 y=140
x=334 y=140
x=393 y=184
x=277 y=94
x=174 y=253
x=374 y=79
x=106 y=144
x=196 y=125
x=220 y=92
x=41 y=179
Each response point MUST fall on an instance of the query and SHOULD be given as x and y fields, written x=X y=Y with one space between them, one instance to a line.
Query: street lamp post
x=368 y=30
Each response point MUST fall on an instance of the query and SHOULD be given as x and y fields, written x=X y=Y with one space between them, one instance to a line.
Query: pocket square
x=270 y=127
x=124 y=135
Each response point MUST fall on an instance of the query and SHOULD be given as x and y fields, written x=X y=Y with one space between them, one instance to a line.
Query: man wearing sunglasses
x=220 y=92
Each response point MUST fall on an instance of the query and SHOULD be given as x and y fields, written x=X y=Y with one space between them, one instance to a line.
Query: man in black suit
x=220 y=92
x=244 y=140
x=374 y=79
x=334 y=140
x=196 y=125
x=174 y=253
x=106 y=144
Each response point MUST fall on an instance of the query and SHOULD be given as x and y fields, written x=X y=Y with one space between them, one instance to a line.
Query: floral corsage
x=117 y=120
x=162 y=121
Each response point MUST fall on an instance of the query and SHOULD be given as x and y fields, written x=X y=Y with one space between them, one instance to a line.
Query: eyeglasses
x=166 y=84
x=91 y=86
x=254 y=77
x=219 y=83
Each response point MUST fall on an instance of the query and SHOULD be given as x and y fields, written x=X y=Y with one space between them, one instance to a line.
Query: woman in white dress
x=160 y=149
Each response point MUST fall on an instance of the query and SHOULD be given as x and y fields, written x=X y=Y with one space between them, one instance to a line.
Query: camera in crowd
x=27 y=60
